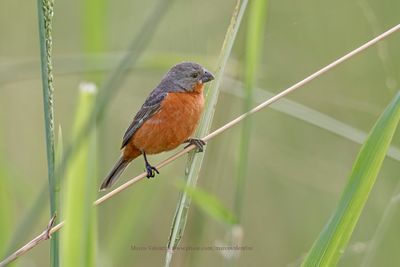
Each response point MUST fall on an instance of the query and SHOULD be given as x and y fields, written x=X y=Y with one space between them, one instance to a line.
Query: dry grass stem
x=46 y=234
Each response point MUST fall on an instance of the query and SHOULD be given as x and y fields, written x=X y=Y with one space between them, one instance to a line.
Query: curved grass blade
x=195 y=160
x=210 y=204
x=333 y=239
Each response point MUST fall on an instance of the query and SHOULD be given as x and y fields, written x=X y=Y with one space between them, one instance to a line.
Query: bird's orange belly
x=172 y=125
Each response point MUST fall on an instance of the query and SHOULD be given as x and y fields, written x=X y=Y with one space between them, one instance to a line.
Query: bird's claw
x=151 y=171
x=197 y=142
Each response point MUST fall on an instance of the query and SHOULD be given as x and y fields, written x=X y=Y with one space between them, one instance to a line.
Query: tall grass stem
x=45 y=10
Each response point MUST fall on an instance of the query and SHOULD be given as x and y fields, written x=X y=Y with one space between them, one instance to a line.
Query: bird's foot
x=197 y=142
x=151 y=171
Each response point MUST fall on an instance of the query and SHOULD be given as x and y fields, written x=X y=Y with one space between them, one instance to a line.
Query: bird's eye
x=194 y=75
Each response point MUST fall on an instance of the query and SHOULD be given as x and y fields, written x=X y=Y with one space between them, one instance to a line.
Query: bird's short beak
x=207 y=76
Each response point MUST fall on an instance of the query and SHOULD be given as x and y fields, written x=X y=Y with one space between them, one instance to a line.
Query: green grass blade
x=78 y=238
x=195 y=160
x=56 y=236
x=333 y=239
x=254 y=35
x=94 y=27
x=45 y=17
x=210 y=204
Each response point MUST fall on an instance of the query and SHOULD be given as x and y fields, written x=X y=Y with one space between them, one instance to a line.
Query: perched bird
x=168 y=118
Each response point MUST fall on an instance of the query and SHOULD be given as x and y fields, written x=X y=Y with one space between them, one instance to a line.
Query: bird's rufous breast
x=176 y=121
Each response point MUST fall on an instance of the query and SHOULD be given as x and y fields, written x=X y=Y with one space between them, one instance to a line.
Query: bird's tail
x=114 y=174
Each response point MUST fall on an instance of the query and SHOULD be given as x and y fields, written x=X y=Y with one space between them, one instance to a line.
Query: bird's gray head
x=188 y=75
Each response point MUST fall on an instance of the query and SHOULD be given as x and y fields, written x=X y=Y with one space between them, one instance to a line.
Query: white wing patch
x=154 y=121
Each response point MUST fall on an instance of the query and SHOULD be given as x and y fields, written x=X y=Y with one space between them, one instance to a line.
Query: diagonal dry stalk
x=220 y=130
x=46 y=234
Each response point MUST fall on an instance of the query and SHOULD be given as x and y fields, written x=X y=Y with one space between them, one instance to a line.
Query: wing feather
x=150 y=107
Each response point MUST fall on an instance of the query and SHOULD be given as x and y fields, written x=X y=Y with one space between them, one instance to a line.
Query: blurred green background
x=296 y=170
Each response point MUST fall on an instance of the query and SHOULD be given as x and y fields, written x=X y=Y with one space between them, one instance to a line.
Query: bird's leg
x=197 y=142
x=151 y=171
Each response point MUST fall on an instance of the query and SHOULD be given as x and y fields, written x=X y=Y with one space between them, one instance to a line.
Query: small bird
x=168 y=118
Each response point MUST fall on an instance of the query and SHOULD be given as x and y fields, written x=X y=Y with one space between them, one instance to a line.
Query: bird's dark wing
x=150 y=107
